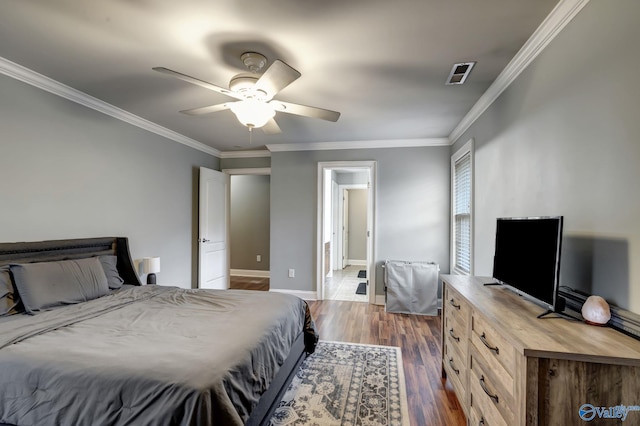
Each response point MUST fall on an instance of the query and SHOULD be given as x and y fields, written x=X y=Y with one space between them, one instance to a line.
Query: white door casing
x=213 y=268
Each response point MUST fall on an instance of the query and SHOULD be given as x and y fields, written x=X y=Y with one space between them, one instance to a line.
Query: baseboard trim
x=381 y=300
x=356 y=262
x=305 y=295
x=249 y=273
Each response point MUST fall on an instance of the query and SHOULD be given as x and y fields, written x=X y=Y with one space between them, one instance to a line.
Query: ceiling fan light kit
x=252 y=113
x=254 y=93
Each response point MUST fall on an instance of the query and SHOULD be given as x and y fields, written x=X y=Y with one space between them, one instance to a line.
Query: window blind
x=462 y=213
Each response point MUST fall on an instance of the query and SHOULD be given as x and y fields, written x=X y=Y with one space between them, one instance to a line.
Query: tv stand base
x=560 y=314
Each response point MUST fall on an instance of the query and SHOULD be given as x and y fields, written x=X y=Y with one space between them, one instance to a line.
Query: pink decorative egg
x=596 y=310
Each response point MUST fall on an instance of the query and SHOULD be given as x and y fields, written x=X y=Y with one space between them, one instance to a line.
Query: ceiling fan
x=255 y=106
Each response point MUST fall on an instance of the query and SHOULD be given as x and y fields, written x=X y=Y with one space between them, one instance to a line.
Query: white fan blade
x=206 y=110
x=305 y=111
x=278 y=76
x=271 y=128
x=198 y=82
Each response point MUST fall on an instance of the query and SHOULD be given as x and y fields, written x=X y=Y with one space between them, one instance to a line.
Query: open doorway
x=249 y=228
x=348 y=278
x=346 y=203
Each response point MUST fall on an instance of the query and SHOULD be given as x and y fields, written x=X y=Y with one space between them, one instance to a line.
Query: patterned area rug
x=346 y=384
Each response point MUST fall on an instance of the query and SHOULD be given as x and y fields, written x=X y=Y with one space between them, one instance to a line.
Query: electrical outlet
x=292 y=273
x=258 y=258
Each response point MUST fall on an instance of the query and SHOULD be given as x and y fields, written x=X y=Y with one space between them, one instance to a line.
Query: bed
x=144 y=355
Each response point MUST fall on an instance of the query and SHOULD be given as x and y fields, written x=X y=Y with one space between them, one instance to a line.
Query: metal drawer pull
x=481 y=422
x=453 y=304
x=456 y=338
x=455 y=370
x=484 y=388
x=483 y=339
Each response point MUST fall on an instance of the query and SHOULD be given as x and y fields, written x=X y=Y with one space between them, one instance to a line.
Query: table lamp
x=151 y=265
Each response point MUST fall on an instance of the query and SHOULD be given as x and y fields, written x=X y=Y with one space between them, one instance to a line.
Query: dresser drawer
x=488 y=394
x=455 y=332
x=499 y=354
x=455 y=364
x=456 y=306
x=477 y=418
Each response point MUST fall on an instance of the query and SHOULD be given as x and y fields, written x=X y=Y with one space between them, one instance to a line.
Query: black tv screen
x=527 y=256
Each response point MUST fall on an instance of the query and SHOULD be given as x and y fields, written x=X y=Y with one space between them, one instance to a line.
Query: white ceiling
x=381 y=63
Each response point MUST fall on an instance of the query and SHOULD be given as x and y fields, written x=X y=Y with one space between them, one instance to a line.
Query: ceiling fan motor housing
x=244 y=84
x=253 y=61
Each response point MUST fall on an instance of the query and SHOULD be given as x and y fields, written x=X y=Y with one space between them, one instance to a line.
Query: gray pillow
x=114 y=279
x=47 y=284
x=9 y=299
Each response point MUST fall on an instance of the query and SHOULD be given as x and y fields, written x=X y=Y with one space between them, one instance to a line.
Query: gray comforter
x=147 y=355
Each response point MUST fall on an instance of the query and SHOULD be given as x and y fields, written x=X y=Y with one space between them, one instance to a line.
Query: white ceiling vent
x=460 y=72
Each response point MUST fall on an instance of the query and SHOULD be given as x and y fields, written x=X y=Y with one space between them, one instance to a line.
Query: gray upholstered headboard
x=44 y=251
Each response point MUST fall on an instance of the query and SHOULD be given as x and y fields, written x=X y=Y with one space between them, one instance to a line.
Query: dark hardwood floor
x=431 y=400
x=249 y=283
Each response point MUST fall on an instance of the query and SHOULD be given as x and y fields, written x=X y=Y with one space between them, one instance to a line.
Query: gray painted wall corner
x=68 y=171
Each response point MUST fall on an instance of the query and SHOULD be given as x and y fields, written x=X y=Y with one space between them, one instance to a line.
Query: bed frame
x=47 y=251
x=54 y=250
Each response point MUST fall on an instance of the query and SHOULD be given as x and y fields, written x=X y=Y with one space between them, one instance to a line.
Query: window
x=462 y=210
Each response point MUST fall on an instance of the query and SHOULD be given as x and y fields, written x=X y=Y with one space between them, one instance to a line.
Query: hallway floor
x=248 y=283
x=343 y=285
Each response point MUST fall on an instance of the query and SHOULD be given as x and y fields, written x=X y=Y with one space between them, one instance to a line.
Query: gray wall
x=357 y=224
x=245 y=163
x=249 y=211
x=352 y=178
x=412 y=209
x=67 y=171
x=564 y=139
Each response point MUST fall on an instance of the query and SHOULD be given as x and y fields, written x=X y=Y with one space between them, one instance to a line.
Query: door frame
x=370 y=166
x=229 y=173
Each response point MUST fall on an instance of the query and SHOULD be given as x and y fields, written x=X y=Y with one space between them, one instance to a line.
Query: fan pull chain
x=250 y=135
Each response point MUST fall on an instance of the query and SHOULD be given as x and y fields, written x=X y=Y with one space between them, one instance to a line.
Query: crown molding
x=245 y=154
x=372 y=144
x=40 y=81
x=559 y=17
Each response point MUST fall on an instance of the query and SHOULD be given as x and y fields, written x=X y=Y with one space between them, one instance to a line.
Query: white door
x=335 y=223
x=345 y=228
x=213 y=270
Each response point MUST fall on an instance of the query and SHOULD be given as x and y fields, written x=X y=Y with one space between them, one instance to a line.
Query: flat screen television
x=527 y=258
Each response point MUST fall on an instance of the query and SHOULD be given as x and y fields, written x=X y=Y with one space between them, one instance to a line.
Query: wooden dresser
x=508 y=367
